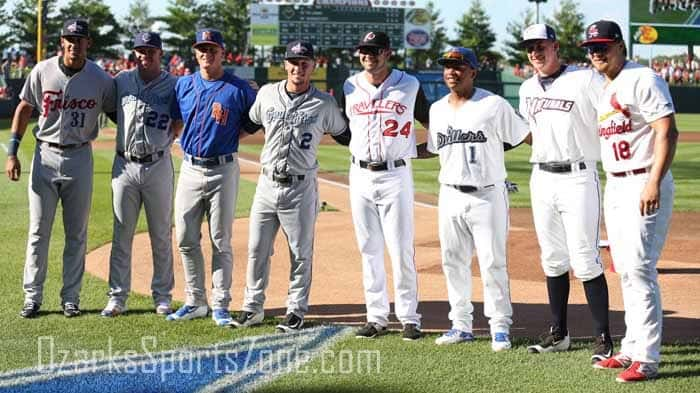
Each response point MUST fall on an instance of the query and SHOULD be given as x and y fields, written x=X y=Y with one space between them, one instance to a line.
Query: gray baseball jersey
x=142 y=173
x=287 y=192
x=68 y=107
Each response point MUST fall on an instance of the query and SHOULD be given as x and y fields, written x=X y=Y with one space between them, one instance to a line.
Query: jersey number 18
x=622 y=150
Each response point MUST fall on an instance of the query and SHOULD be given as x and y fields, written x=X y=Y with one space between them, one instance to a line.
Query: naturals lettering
x=53 y=101
x=536 y=105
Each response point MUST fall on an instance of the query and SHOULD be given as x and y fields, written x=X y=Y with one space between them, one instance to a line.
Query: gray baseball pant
x=211 y=192
x=64 y=175
x=151 y=185
x=294 y=207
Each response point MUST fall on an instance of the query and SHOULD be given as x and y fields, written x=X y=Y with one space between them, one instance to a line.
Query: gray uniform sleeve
x=335 y=121
x=109 y=99
x=254 y=113
x=31 y=87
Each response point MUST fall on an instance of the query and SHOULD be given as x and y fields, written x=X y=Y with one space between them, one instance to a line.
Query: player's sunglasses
x=369 y=50
x=538 y=47
x=597 y=48
x=206 y=48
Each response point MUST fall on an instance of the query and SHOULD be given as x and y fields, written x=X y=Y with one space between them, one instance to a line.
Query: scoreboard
x=339 y=27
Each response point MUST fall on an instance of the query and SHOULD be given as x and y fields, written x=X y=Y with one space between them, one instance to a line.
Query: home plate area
x=236 y=366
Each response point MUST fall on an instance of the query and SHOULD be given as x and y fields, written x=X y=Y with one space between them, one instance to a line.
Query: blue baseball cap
x=209 y=36
x=299 y=49
x=147 y=39
x=75 y=28
x=459 y=55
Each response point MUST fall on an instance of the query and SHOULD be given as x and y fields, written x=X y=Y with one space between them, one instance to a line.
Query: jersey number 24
x=393 y=126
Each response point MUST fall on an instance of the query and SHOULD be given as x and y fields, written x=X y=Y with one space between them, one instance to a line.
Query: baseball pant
x=210 y=192
x=566 y=213
x=150 y=185
x=636 y=242
x=294 y=208
x=476 y=220
x=382 y=210
x=64 y=175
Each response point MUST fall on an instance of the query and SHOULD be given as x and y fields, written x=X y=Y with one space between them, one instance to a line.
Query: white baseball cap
x=538 y=31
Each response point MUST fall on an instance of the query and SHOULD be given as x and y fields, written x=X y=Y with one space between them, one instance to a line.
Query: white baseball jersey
x=470 y=139
x=562 y=117
x=144 y=113
x=69 y=105
x=635 y=98
x=294 y=127
x=381 y=118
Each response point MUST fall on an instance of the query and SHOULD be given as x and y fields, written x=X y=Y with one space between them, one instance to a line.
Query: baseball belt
x=282 y=178
x=377 y=165
x=469 y=189
x=141 y=160
x=64 y=147
x=210 y=161
x=633 y=172
x=560 y=167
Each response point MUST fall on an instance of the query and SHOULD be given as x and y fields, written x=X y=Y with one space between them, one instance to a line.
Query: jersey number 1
x=622 y=150
x=393 y=125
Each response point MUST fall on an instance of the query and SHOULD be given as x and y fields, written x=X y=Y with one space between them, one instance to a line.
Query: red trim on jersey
x=358 y=83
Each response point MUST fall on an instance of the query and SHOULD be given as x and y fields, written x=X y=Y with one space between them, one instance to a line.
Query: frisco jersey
x=469 y=139
x=633 y=100
x=562 y=118
x=68 y=106
x=213 y=113
x=294 y=127
x=144 y=112
x=381 y=117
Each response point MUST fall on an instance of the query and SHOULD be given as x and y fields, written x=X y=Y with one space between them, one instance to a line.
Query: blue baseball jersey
x=213 y=113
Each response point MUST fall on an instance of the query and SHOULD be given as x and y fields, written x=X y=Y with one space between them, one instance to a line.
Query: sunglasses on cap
x=598 y=48
x=370 y=50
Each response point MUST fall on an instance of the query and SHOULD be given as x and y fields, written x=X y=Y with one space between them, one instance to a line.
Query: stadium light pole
x=39 y=30
x=537 y=8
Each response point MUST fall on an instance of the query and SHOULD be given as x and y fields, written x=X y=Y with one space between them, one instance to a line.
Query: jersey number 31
x=393 y=126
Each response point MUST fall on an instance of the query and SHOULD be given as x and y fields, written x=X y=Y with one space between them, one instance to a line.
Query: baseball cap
x=75 y=27
x=459 y=55
x=377 y=39
x=602 y=31
x=209 y=36
x=539 y=31
x=299 y=49
x=147 y=39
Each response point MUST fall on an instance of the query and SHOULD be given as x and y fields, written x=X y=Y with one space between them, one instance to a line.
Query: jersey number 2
x=622 y=150
x=393 y=125
x=305 y=142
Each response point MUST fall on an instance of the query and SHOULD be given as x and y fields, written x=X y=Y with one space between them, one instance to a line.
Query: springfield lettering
x=613 y=128
x=378 y=106
x=53 y=101
x=536 y=105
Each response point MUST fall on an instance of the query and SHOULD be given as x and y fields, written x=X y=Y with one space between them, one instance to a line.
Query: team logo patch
x=453 y=55
x=146 y=37
x=593 y=31
x=619 y=108
x=298 y=49
x=73 y=27
x=219 y=113
x=369 y=36
x=206 y=35
x=454 y=135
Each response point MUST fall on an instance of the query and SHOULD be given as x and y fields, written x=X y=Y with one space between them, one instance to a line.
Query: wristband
x=13 y=147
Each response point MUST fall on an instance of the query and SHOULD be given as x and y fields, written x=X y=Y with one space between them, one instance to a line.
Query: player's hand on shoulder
x=13 y=168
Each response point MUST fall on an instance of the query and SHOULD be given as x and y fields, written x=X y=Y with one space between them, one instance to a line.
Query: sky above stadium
x=500 y=11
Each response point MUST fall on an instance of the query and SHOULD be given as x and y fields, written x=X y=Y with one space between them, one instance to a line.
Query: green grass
x=688 y=122
x=686 y=166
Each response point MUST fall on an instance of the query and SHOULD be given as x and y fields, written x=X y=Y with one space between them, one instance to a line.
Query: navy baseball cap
x=377 y=39
x=75 y=28
x=147 y=39
x=459 y=55
x=602 y=32
x=299 y=50
x=209 y=36
x=539 y=31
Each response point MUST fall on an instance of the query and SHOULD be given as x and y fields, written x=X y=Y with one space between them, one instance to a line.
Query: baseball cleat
x=500 y=342
x=371 y=330
x=248 y=318
x=291 y=323
x=617 y=361
x=411 y=332
x=602 y=349
x=454 y=336
x=221 y=317
x=113 y=310
x=163 y=309
x=188 y=312
x=30 y=310
x=552 y=341
x=71 y=310
x=638 y=372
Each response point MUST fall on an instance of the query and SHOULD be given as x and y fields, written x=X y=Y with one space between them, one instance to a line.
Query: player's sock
x=597 y=296
x=558 y=291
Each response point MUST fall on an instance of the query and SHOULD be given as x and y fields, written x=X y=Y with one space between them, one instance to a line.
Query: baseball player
x=381 y=105
x=214 y=106
x=69 y=92
x=638 y=139
x=558 y=102
x=469 y=130
x=295 y=115
x=142 y=173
